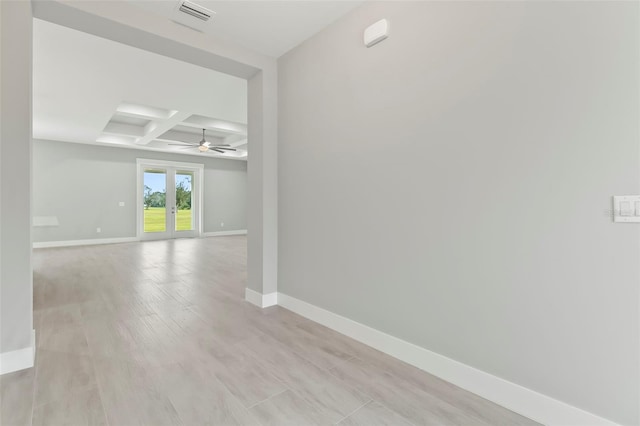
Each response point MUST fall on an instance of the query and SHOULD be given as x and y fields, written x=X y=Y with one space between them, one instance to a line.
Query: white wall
x=82 y=186
x=452 y=187
x=15 y=179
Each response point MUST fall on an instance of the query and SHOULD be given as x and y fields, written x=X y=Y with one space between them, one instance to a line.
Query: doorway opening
x=169 y=199
x=260 y=73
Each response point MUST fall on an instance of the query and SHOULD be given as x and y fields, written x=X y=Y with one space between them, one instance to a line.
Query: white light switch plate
x=626 y=208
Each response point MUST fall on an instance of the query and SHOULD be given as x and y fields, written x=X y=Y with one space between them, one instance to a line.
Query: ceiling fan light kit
x=204 y=146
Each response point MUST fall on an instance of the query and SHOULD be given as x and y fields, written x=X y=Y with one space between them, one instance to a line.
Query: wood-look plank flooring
x=158 y=333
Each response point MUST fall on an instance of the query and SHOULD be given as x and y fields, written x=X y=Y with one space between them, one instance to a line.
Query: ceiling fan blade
x=226 y=149
x=183 y=144
x=187 y=147
x=217 y=150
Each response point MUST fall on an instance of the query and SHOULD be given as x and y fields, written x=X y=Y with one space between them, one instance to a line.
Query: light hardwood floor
x=158 y=333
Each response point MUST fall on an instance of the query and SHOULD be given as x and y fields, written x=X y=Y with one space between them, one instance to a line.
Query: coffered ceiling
x=90 y=90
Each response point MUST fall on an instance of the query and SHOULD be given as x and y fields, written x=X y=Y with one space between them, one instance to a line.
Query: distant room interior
x=319 y=212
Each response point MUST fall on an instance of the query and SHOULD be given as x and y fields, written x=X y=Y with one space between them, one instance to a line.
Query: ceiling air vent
x=196 y=11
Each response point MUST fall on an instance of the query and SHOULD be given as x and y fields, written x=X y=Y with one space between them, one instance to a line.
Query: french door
x=169 y=199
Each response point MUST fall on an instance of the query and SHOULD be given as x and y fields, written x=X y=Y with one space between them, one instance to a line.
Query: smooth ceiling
x=269 y=27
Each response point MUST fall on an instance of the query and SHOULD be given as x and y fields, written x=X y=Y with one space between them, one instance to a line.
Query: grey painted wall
x=452 y=186
x=16 y=286
x=82 y=185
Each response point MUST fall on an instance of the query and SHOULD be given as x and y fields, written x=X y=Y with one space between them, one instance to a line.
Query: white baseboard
x=253 y=297
x=20 y=359
x=91 y=242
x=222 y=233
x=519 y=399
x=259 y=299
x=88 y=242
x=269 y=299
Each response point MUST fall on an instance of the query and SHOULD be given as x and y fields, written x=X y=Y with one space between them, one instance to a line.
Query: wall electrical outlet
x=221 y=224
x=121 y=203
x=98 y=230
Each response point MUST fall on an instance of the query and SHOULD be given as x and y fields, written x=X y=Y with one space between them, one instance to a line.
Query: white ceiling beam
x=132 y=115
x=149 y=112
x=158 y=127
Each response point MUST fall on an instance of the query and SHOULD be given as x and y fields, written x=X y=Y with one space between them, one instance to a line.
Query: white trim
x=259 y=299
x=20 y=359
x=270 y=299
x=253 y=297
x=174 y=164
x=223 y=233
x=87 y=242
x=526 y=402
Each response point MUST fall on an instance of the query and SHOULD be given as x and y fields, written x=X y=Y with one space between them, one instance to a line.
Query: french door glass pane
x=155 y=201
x=184 y=200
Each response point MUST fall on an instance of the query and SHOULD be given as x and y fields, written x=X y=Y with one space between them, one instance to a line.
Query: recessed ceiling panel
x=227 y=127
x=117 y=139
x=87 y=89
x=198 y=131
x=134 y=121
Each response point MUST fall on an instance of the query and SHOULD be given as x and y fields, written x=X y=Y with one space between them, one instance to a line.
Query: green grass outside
x=155 y=219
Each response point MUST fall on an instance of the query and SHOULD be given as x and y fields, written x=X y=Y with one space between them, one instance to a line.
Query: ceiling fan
x=204 y=146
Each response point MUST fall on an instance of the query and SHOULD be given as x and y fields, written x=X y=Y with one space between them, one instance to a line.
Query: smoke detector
x=192 y=15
